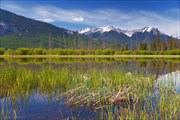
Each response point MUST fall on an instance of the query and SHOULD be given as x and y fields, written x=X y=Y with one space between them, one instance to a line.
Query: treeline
x=60 y=51
x=159 y=45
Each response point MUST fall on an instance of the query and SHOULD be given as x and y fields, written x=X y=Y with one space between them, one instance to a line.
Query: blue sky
x=124 y=14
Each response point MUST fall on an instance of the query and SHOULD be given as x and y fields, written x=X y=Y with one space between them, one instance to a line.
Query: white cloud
x=78 y=19
x=12 y=7
x=166 y=21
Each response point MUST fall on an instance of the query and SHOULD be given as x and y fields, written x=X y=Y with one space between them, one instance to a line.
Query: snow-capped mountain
x=110 y=33
x=129 y=33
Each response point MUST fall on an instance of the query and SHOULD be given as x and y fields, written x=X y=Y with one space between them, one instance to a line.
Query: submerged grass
x=121 y=95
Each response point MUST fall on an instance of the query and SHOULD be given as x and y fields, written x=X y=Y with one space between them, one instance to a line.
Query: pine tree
x=126 y=47
x=171 y=43
x=153 y=46
x=163 y=46
x=156 y=44
x=143 y=46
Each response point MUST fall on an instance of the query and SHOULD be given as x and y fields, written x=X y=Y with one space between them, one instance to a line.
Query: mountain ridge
x=118 y=35
x=129 y=33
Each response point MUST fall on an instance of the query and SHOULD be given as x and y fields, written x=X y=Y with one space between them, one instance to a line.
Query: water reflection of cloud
x=170 y=80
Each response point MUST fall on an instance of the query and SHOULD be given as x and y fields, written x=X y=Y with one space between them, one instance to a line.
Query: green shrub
x=119 y=53
x=172 y=52
x=81 y=52
x=90 y=52
x=161 y=52
x=98 y=52
x=2 y=51
x=10 y=52
x=107 y=52
x=56 y=51
x=23 y=51
x=144 y=52
x=127 y=52
x=44 y=52
x=39 y=51
x=69 y=52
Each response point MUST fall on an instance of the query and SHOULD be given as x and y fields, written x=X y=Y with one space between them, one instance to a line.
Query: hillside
x=18 y=31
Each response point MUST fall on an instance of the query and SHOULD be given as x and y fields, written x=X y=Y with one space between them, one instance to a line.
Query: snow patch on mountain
x=85 y=30
x=70 y=32
x=96 y=29
x=127 y=32
x=107 y=29
x=2 y=24
x=149 y=29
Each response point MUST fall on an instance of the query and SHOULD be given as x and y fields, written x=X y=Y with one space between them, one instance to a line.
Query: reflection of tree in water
x=157 y=66
x=162 y=67
x=143 y=64
x=172 y=66
x=2 y=61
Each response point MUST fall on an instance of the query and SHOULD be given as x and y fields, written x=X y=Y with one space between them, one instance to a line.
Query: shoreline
x=89 y=56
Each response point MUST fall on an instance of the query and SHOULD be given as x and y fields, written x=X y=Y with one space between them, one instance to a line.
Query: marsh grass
x=114 y=94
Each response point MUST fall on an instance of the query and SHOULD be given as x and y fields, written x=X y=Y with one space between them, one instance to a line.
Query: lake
x=89 y=88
